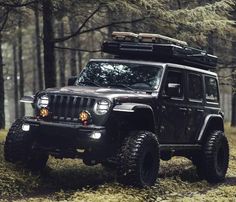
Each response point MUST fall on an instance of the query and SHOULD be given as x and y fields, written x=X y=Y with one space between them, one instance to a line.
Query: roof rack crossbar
x=145 y=37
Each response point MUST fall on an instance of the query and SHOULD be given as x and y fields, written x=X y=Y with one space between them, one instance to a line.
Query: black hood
x=99 y=92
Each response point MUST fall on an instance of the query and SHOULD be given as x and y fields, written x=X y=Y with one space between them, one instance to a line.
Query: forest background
x=44 y=42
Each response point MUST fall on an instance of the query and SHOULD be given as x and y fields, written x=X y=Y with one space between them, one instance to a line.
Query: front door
x=174 y=109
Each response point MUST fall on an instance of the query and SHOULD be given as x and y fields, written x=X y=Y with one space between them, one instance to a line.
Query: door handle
x=200 y=110
x=183 y=109
x=163 y=108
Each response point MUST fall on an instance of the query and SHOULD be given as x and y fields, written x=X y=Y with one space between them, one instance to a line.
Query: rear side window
x=212 y=94
x=195 y=87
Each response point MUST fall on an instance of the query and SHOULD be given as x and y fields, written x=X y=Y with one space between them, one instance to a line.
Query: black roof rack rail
x=154 y=47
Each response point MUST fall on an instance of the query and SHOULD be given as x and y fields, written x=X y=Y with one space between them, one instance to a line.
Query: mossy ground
x=70 y=180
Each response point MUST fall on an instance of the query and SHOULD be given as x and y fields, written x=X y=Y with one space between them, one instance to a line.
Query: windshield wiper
x=122 y=85
x=90 y=82
x=87 y=80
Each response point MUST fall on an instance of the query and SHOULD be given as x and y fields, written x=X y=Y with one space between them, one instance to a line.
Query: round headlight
x=43 y=101
x=101 y=107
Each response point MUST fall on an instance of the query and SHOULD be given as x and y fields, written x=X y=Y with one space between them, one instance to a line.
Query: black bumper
x=66 y=138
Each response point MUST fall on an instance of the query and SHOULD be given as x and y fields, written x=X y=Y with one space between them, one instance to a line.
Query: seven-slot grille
x=68 y=107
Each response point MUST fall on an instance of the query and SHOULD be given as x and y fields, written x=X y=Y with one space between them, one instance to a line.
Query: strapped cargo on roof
x=155 y=47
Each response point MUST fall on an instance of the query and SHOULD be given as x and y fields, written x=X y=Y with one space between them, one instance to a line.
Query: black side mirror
x=72 y=80
x=173 y=90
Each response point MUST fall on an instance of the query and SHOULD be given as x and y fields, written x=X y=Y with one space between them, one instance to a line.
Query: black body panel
x=179 y=122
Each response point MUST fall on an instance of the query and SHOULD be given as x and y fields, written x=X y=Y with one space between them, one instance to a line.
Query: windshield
x=121 y=75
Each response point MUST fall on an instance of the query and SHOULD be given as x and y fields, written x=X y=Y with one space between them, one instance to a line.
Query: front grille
x=68 y=107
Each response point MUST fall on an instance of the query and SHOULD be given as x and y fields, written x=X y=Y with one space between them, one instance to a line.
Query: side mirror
x=173 y=90
x=27 y=99
x=72 y=80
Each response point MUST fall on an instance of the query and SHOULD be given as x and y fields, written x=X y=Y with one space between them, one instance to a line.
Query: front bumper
x=64 y=139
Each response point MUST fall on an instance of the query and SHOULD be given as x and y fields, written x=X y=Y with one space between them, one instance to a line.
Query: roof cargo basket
x=155 y=47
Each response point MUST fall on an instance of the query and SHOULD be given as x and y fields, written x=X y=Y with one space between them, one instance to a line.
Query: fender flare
x=206 y=124
x=131 y=107
x=134 y=107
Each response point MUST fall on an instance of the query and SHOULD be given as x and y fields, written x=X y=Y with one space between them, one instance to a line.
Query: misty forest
x=45 y=42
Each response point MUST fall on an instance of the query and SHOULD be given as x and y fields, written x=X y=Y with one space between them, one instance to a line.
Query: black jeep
x=129 y=112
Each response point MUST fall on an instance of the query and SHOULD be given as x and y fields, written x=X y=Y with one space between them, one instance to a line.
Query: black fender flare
x=134 y=108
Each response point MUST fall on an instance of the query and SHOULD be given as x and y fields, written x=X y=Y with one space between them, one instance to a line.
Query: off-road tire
x=215 y=161
x=139 y=159
x=107 y=165
x=18 y=148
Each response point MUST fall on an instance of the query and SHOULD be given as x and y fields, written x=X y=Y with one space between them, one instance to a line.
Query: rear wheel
x=215 y=158
x=18 y=148
x=139 y=159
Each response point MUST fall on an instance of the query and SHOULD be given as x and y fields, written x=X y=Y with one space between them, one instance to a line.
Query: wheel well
x=215 y=123
x=143 y=119
x=123 y=123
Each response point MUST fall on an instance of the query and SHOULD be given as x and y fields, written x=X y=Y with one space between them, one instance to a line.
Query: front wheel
x=18 y=148
x=139 y=159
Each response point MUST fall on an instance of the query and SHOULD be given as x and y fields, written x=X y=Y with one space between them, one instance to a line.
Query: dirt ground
x=70 y=180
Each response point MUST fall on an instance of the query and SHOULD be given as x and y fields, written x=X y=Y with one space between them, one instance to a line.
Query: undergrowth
x=71 y=180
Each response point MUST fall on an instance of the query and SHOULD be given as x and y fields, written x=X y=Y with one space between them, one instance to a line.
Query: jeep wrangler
x=156 y=99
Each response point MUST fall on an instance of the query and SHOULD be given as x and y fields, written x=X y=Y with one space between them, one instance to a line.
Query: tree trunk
x=79 y=55
x=20 y=59
x=38 y=48
x=48 y=43
x=35 y=69
x=91 y=41
x=2 y=112
x=73 y=26
x=233 y=116
x=61 y=54
x=210 y=41
x=110 y=18
x=16 y=96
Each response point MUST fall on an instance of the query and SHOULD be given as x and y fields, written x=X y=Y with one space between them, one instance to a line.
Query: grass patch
x=3 y=134
x=70 y=180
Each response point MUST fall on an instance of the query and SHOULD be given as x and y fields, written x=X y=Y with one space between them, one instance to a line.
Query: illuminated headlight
x=96 y=135
x=43 y=101
x=26 y=127
x=101 y=107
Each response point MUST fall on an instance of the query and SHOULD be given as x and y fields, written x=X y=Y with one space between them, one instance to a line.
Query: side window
x=174 y=84
x=195 y=87
x=212 y=94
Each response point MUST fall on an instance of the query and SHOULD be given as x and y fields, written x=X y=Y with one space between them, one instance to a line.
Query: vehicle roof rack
x=146 y=38
x=155 y=47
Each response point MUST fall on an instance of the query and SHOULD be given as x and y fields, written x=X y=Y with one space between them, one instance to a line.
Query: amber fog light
x=84 y=117
x=44 y=112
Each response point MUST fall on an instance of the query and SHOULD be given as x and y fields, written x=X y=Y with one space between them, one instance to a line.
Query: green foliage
x=208 y=17
x=2 y=135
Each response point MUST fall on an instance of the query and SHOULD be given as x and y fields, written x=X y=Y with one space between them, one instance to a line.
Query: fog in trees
x=44 y=42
